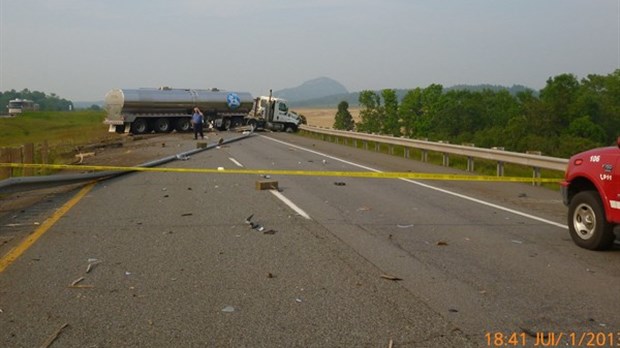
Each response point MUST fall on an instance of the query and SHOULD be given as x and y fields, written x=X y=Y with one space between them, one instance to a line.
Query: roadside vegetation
x=566 y=117
x=69 y=128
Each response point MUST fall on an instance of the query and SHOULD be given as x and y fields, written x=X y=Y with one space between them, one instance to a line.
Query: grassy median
x=55 y=127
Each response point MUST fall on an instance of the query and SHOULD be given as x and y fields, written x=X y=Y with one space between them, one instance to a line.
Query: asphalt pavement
x=171 y=259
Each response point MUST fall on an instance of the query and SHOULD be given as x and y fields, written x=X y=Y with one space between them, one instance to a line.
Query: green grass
x=57 y=127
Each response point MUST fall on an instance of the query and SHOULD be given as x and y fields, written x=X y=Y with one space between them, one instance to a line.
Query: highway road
x=167 y=259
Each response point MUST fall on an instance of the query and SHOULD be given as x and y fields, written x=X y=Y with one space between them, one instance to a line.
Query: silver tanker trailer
x=165 y=109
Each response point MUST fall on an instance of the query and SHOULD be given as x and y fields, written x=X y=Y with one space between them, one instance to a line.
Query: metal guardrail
x=537 y=162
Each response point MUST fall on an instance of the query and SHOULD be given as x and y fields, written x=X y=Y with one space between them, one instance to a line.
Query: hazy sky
x=80 y=49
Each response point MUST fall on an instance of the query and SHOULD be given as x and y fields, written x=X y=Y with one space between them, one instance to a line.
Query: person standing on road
x=198 y=120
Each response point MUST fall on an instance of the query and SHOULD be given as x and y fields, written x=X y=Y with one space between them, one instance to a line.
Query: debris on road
x=91 y=264
x=404 y=226
x=442 y=243
x=75 y=282
x=228 y=309
x=266 y=185
x=53 y=337
x=515 y=241
x=187 y=214
x=182 y=157
x=248 y=220
x=339 y=183
x=270 y=231
x=390 y=277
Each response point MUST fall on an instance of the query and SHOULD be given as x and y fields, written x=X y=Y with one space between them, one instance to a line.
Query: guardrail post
x=424 y=156
x=15 y=156
x=355 y=143
x=500 y=168
x=470 y=164
x=536 y=175
x=406 y=154
x=5 y=172
x=377 y=147
x=446 y=159
x=365 y=145
x=45 y=156
x=391 y=149
x=28 y=156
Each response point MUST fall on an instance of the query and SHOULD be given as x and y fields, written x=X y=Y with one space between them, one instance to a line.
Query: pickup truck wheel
x=587 y=224
x=139 y=126
x=290 y=128
x=183 y=125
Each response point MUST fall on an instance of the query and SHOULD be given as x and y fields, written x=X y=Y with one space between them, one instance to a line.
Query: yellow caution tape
x=377 y=175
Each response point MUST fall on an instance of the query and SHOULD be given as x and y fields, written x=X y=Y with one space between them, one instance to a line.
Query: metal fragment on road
x=390 y=277
x=228 y=309
x=404 y=226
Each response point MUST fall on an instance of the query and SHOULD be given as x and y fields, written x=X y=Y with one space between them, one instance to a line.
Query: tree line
x=46 y=102
x=567 y=116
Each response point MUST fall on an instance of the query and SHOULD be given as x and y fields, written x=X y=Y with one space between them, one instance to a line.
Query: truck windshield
x=282 y=107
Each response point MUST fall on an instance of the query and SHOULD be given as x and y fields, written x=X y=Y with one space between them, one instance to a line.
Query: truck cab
x=591 y=190
x=274 y=114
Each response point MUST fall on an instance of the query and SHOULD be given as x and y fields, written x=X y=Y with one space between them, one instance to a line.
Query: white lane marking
x=235 y=162
x=290 y=204
x=488 y=204
x=276 y=193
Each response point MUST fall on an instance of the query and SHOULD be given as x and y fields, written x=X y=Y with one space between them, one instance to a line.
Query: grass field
x=324 y=117
x=58 y=128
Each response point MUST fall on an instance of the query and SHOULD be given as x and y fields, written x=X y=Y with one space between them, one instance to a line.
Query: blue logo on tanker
x=233 y=100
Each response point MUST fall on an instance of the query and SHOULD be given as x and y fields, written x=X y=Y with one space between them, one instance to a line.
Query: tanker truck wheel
x=252 y=124
x=226 y=123
x=162 y=125
x=183 y=125
x=139 y=126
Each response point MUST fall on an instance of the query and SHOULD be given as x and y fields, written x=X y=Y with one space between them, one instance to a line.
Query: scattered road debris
x=248 y=220
x=390 y=277
x=442 y=243
x=187 y=214
x=391 y=343
x=270 y=231
x=53 y=337
x=269 y=275
x=228 y=309
x=182 y=157
x=404 y=226
x=91 y=264
x=517 y=241
x=75 y=282
x=452 y=310
x=298 y=300
x=339 y=183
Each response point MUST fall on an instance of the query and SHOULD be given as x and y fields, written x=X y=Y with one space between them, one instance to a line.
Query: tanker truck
x=165 y=109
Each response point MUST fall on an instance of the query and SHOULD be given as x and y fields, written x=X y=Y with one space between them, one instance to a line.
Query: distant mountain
x=313 y=89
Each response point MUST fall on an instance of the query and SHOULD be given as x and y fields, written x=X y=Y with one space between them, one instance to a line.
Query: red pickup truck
x=591 y=190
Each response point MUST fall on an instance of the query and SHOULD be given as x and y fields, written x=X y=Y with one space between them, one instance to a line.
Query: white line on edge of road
x=553 y=223
x=235 y=162
x=290 y=204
